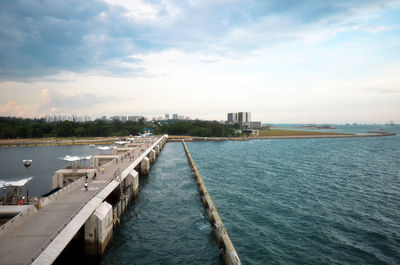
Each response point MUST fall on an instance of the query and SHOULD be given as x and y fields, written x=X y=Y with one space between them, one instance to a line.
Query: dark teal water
x=307 y=201
x=303 y=201
x=167 y=223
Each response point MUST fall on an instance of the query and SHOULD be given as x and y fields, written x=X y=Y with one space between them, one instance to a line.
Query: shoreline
x=172 y=138
x=196 y=139
x=52 y=141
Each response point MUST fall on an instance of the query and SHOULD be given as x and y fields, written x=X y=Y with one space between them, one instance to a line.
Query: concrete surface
x=53 y=226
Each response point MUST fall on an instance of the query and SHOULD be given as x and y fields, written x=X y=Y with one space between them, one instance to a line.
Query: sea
x=286 y=201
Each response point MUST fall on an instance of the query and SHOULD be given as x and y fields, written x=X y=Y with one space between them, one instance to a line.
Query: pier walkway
x=40 y=238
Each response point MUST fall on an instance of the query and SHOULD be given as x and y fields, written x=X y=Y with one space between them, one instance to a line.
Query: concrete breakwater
x=40 y=236
x=228 y=251
x=218 y=139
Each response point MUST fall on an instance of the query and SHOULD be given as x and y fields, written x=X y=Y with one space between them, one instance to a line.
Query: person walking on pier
x=94 y=175
x=102 y=170
x=86 y=186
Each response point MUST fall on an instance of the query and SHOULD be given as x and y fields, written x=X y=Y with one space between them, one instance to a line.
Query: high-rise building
x=244 y=117
x=167 y=116
x=232 y=117
x=175 y=116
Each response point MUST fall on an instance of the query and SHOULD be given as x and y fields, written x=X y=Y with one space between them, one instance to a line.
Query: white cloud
x=378 y=29
x=143 y=12
x=11 y=108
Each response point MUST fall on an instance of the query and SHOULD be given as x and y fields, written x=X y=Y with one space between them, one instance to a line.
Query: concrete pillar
x=157 y=149
x=152 y=156
x=57 y=181
x=98 y=230
x=133 y=179
x=145 y=166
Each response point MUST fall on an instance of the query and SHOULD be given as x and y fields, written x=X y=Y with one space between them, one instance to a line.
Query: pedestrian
x=102 y=170
x=86 y=176
x=94 y=175
x=86 y=186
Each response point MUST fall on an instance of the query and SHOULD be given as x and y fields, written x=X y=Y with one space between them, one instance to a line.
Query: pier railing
x=120 y=178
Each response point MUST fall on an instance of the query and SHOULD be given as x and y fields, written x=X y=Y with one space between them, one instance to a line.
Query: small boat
x=91 y=145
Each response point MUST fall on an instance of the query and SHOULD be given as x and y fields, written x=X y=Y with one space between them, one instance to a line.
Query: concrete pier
x=152 y=156
x=229 y=253
x=98 y=230
x=145 y=166
x=132 y=180
x=101 y=160
x=63 y=177
x=39 y=234
x=121 y=150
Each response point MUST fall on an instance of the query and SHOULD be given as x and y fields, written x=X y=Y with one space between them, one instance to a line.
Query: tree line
x=12 y=128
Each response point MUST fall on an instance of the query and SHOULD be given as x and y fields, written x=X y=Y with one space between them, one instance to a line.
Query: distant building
x=232 y=117
x=244 y=117
x=174 y=116
x=254 y=125
x=135 y=118
x=166 y=116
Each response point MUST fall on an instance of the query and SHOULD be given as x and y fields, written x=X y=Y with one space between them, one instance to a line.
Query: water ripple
x=307 y=201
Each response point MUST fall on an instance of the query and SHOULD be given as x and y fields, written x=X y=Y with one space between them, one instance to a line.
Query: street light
x=27 y=163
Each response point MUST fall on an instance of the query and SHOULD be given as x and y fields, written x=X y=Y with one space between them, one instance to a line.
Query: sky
x=285 y=61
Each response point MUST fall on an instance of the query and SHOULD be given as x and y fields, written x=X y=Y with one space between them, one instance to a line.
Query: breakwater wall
x=220 y=139
x=228 y=251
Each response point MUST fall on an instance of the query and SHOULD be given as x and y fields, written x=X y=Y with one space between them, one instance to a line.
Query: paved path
x=25 y=241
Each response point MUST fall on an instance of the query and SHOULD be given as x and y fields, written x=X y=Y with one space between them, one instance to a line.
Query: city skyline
x=285 y=62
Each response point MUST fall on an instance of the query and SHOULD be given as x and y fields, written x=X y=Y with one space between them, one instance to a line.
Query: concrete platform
x=41 y=237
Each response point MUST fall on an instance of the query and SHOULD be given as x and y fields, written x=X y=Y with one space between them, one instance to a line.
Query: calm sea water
x=166 y=224
x=307 y=201
x=303 y=201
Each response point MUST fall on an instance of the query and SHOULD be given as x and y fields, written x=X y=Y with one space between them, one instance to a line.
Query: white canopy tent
x=69 y=158
x=74 y=159
x=122 y=142
x=15 y=183
x=105 y=148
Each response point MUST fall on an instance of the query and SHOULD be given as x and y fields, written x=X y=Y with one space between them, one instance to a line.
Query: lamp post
x=27 y=163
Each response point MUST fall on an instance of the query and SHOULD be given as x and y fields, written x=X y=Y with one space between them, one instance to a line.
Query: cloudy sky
x=286 y=61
